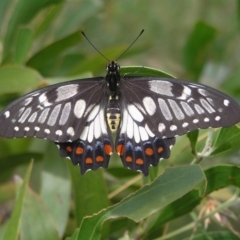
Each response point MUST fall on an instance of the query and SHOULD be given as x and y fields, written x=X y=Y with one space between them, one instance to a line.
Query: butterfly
x=145 y=113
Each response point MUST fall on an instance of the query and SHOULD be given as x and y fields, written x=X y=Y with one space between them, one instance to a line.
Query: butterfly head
x=113 y=76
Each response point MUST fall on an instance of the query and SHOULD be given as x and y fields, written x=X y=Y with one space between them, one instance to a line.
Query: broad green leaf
x=17 y=79
x=24 y=11
x=143 y=71
x=37 y=222
x=44 y=59
x=90 y=192
x=56 y=187
x=228 y=138
x=23 y=44
x=12 y=231
x=171 y=185
x=217 y=177
x=196 y=48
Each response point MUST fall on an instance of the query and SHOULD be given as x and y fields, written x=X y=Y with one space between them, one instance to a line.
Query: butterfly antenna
x=94 y=46
x=131 y=43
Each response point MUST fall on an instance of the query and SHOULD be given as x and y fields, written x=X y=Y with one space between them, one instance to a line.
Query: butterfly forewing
x=170 y=107
x=57 y=113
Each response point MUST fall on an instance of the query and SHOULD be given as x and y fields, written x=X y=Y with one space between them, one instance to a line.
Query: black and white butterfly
x=147 y=113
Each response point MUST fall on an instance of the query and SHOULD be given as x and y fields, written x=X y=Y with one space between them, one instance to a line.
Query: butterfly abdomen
x=113 y=113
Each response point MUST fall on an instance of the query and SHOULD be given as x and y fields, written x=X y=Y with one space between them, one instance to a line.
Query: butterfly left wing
x=155 y=110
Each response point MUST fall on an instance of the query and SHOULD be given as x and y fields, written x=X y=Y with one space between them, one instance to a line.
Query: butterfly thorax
x=113 y=77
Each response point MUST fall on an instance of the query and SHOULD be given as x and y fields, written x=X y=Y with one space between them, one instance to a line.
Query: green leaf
x=16 y=79
x=24 y=11
x=12 y=231
x=171 y=185
x=48 y=55
x=217 y=177
x=196 y=48
x=23 y=44
x=36 y=221
x=143 y=71
x=228 y=138
x=89 y=191
x=56 y=187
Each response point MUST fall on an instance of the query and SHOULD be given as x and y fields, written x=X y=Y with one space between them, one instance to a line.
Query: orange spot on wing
x=160 y=149
x=139 y=161
x=88 y=161
x=79 y=150
x=99 y=159
x=69 y=148
x=149 y=151
x=128 y=159
x=108 y=149
x=120 y=149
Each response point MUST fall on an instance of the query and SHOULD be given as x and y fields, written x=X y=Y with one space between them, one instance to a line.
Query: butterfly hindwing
x=94 y=147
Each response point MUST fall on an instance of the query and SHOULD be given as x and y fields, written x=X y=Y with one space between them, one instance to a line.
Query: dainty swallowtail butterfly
x=147 y=113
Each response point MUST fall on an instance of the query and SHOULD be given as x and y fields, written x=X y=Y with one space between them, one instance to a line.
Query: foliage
x=41 y=45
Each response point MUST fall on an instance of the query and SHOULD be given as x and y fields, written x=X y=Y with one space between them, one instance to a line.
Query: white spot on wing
x=161 y=87
x=26 y=129
x=7 y=114
x=130 y=127
x=65 y=113
x=79 y=108
x=47 y=130
x=164 y=109
x=54 y=115
x=16 y=128
x=149 y=105
x=198 y=109
x=70 y=131
x=27 y=101
x=217 y=118
x=90 y=133
x=161 y=127
x=37 y=129
x=84 y=133
x=135 y=113
x=185 y=93
x=206 y=105
x=173 y=127
x=187 y=109
x=24 y=116
x=42 y=118
x=143 y=134
x=203 y=92
x=136 y=133
x=33 y=117
x=176 y=109
x=206 y=119
x=65 y=92
x=195 y=120
x=43 y=100
x=226 y=102
x=97 y=129
x=59 y=132
x=185 y=124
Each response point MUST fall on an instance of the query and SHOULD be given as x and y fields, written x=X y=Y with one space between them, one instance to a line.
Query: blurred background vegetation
x=41 y=44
